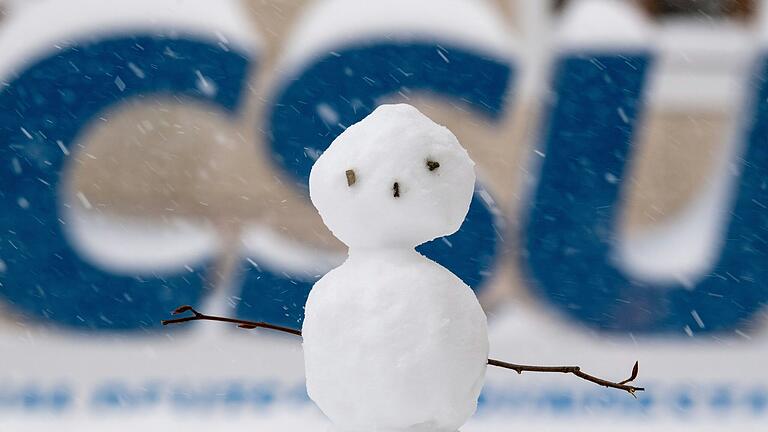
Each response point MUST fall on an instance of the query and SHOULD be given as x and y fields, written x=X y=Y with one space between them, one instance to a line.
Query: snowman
x=393 y=340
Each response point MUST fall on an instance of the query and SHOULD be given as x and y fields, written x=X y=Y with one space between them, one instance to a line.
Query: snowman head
x=395 y=179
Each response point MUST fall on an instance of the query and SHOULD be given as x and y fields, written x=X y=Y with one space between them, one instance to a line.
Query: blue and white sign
x=80 y=337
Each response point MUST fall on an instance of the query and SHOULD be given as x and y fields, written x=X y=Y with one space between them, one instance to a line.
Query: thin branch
x=621 y=385
x=197 y=316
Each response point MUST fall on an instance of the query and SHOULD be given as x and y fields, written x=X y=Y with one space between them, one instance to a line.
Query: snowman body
x=392 y=340
x=427 y=369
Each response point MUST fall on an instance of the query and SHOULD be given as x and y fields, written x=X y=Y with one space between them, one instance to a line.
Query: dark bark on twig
x=622 y=385
x=197 y=316
x=575 y=370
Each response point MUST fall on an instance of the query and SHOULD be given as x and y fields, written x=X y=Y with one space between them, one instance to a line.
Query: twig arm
x=575 y=370
x=622 y=385
x=197 y=316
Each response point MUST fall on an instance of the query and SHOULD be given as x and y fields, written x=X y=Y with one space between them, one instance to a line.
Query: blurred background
x=155 y=153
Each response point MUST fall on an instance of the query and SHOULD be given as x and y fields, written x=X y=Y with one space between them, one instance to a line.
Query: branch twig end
x=576 y=371
x=182 y=309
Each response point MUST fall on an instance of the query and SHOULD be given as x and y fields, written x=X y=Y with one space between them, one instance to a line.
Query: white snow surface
x=392 y=340
x=34 y=28
x=603 y=24
x=393 y=145
x=85 y=362
x=329 y=25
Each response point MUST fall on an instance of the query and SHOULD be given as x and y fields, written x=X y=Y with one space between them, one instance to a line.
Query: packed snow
x=392 y=340
x=393 y=145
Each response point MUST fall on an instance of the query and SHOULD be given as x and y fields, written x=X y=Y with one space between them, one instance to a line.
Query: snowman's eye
x=350 y=177
x=432 y=165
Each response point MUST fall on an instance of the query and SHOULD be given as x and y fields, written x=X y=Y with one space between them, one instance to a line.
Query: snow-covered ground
x=216 y=376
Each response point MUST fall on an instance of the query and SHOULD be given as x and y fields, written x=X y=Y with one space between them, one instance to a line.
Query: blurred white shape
x=83 y=200
x=329 y=116
x=120 y=83
x=206 y=86
x=603 y=24
x=266 y=248
x=762 y=14
x=701 y=65
x=685 y=248
x=333 y=24
x=138 y=246
x=31 y=30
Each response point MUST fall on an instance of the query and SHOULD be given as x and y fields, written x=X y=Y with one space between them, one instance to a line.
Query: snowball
x=394 y=341
x=352 y=184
